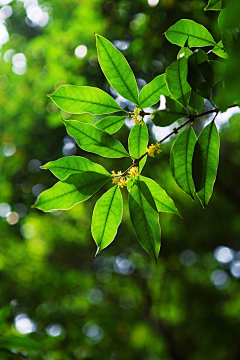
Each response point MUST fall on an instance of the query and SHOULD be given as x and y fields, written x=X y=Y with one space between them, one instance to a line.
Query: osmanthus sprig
x=186 y=83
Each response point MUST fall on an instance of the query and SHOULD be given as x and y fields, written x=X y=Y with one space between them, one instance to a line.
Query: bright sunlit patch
x=19 y=62
x=5 y=2
x=4 y=36
x=27 y=230
x=7 y=57
x=121 y=44
x=153 y=3
x=12 y=218
x=223 y=254
x=5 y=209
x=23 y=324
x=6 y=12
x=54 y=330
x=8 y=149
x=235 y=269
x=81 y=51
x=37 y=16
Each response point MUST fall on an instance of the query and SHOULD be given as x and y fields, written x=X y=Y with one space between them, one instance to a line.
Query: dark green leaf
x=144 y=217
x=205 y=162
x=163 y=202
x=173 y=112
x=5 y=313
x=71 y=191
x=181 y=160
x=176 y=79
x=214 y=5
x=92 y=139
x=196 y=102
x=150 y=94
x=65 y=166
x=116 y=69
x=190 y=32
x=107 y=216
x=13 y=342
x=200 y=74
x=84 y=99
x=137 y=143
x=111 y=124
x=219 y=69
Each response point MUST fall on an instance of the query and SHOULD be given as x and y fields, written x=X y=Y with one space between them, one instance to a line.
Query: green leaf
x=5 y=313
x=190 y=32
x=71 y=191
x=220 y=52
x=13 y=342
x=176 y=79
x=173 y=112
x=150 y=94
x=184 y=51
x=200 y=74
x=163 y=202
x=116 y=69
x=214 y=5
x=107 y=216
x=84 y=99
x=205 y=162
x=138 y=142
x=181 y=160
x=110 y=124
x=144 y=218
x=65 y=166
x=196 y=102
x=219 y=69
x=92 y=139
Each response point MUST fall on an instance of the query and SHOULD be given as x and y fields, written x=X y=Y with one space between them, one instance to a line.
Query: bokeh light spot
x=81 y=51
x=8 y=149
x=12 y=218
x=23 y=324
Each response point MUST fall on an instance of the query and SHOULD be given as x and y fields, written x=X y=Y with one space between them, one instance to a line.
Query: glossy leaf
x=181 y=160
x=65 y=166
x=144 y=218
x=220 y=52
x=205 y=162
x=200 y=74
x=173 y=112
x=116 y=69
x=176 y=79
x=184 y=52
x=107 y=216
x=150 y=94
x=189 y=33
x=196 y=102
x=71 y=191
x=111 y=124
x=84 y=99
x=138 y=142
x=92 y=139
x=163 y=202
x=214 y=5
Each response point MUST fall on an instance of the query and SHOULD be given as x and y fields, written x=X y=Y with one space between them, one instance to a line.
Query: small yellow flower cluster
x=122 y=181
x=152 y=116
x=152 y=148
x=133 y=172
x=137 y=118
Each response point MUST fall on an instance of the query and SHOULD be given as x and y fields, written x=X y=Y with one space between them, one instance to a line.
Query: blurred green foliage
x=57 y=300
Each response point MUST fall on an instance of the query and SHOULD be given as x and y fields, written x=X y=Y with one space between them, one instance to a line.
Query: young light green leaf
x=176 y=79
x=196 y=102
x=65 y=166
x=181 y=160
x=71 y=191
x=200 y=74
x=218 y=50
x=205 y=162
x=116 y=69
x=137 y=143
x=214 y=5
x=150 y=94
x=163 y=202
x=84 y=99
x=111 y=124
x=173 y=112
x=184 y=51
x=144 y=218
x=107 y=216
x=190 y=32
x=92 y=139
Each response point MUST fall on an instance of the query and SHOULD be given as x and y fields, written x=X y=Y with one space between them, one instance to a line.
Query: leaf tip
x=98 y=251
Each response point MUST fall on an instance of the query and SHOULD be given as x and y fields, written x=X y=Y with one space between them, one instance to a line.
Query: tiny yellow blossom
x=137 y=118
x=154 y=148
x=133 y=172
x=118 y=179
x=152 y=116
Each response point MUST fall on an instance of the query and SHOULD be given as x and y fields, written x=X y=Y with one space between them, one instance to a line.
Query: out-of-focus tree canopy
x=57 y=300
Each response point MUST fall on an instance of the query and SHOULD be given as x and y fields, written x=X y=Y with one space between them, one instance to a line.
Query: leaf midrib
x=194 y=36
x=130 y=91
x=87 y=101
x=106 y=219
x=124 y=117
x=206 y=163
x=142 y=102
